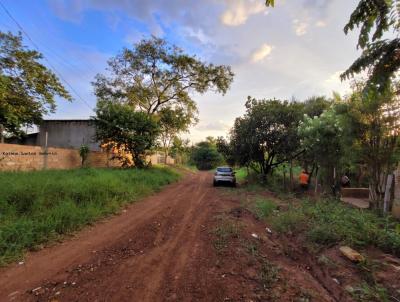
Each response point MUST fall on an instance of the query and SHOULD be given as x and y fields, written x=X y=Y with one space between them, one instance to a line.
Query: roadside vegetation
x=310 y=232
x=38 y=207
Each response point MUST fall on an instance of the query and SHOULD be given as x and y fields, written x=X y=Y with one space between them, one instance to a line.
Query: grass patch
x=40 y=206
x=264 y=207
x=371 y=293
x=225 y=230
x=292 y=221
x=268 y=274
x=328 y=222
x=241 y=175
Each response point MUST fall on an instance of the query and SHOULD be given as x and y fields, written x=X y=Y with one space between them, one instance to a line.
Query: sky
x=296 y=50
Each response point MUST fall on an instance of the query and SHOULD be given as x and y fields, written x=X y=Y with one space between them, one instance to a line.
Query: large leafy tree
x=128 y=133
x=322 y=139
x=205 y=155
x=27 y=87
x=373 y=122
x=155 y=74
x=266 y=136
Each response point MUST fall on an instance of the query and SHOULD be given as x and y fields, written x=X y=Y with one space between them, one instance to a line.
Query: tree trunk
x=166 y=156
x=1 y=134
x=291 y=176
x=316 y=181
x=386 y=201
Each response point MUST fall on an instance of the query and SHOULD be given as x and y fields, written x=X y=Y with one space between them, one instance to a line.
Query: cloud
x=261 y=53
x=240 y=10
x=334 y=83
x=214 y=126
x=320 y=23
x=300 y=27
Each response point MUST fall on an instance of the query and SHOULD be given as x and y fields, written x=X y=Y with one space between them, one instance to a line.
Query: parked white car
x=224 y=175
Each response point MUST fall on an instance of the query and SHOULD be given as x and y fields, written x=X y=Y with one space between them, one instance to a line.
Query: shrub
x=289 y=222
x=264 y=208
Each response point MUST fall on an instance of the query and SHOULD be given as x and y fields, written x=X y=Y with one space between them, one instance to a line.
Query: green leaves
x=205 y=156
x=267 y=134
x=270 y=3
x=128 y=133
x=27 y=88
x=380 y=56
x=155 y=74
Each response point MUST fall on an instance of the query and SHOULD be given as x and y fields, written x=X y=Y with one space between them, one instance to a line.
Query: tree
x=316 y=105
x=321 y=138
x=180 y=150
x=27 y=87
x=266 y=136
x=226 y=149
x=205 y=156
x=84 y=153
x=125 y=131
x=372 y=120
x=172 y=122
x=155 y=74
x=380 y=56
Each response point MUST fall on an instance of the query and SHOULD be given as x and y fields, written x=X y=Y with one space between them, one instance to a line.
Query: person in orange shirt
x=303 y=179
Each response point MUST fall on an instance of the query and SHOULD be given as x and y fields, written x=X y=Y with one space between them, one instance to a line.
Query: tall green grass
x=36 y=207
x=329 y=222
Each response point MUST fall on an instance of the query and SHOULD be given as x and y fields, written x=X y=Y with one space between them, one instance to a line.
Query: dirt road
x=159 y=249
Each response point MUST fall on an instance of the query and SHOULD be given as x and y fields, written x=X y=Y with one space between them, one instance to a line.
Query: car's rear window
x=224 y=169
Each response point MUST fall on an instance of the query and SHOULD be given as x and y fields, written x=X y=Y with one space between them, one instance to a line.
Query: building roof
x=68 y=120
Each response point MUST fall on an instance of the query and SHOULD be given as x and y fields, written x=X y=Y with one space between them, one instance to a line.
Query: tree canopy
x=205 y=155
x=27 y=87
x=172 y=122
x=125 y=131
x=266 y=136
x=155 y=74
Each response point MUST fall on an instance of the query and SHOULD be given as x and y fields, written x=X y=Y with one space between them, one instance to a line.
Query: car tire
x=234 y=184
x=214 y=183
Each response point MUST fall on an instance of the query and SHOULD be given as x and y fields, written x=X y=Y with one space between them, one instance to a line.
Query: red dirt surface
x=164 y=249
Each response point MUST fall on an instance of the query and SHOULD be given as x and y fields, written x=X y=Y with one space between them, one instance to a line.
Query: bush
x=41 y=206
x=264 y=208
x=205 y=156
x=289 y=222
x=328 y=222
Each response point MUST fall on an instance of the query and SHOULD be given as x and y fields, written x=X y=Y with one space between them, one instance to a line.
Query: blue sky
x=296 y=49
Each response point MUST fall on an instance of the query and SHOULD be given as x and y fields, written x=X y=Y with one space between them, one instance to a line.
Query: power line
x=44 y=57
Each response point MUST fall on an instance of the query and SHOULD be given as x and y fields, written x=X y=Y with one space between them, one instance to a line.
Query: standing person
x=345 y=181
x=304 y=180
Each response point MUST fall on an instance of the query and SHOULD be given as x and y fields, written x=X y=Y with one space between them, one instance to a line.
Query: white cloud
x=261 y=53
x=240 y=10
x=334 y=83
x=300 y=27
x=213 y=126
x=320 y=23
